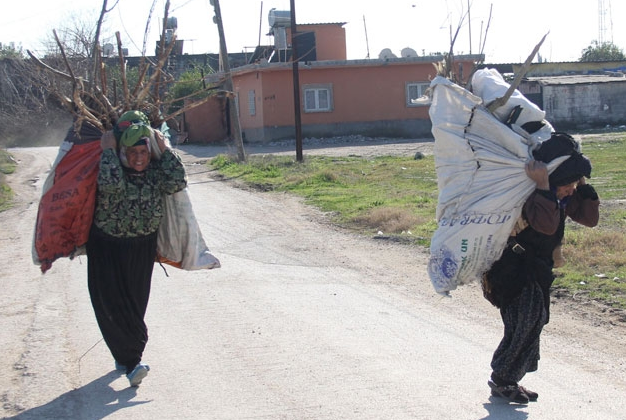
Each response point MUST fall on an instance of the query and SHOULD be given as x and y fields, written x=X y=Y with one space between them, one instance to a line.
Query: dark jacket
x=130 y=204
x=529 y=254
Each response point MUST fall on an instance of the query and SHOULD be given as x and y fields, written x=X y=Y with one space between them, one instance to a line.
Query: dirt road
x=303 y=321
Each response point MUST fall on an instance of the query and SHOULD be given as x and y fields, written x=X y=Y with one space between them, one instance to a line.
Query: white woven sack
x=179 y=238
x=482 y=185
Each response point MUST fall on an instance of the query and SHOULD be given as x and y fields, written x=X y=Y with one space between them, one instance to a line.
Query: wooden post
x=296 y=84
x=228 y=85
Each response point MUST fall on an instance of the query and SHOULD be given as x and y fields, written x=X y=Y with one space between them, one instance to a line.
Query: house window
x=415 y=90
x=318 y=98
x=251 y=102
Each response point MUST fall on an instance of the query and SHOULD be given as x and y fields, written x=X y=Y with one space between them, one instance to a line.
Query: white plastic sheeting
x=482 y=184
x=179 y=238
x=489 y=85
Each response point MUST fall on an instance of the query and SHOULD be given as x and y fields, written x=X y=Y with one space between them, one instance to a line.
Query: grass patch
x=389 y=219
x=393 y=195
x=398 y=195
x=609 y=172
x=7 y=166
x=596 y=264
x=7 y=163
x=596 y=258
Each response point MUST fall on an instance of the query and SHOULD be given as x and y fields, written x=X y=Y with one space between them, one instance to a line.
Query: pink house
x=371 y=97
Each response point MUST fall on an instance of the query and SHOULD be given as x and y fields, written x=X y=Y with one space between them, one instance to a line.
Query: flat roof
x=368 y=62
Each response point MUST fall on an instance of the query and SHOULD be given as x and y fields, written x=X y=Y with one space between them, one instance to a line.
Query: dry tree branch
x=194 y=105
x=145 y=33
x=96 y=41
x=200 y=92
x=498 y=102
x=107 y=111
x=32 y=71
x=445 y=68
x=481 y=52
x=144 y=63
x=143 y=70
x=484 y=39
x=157 y=80
x=120 y=54
x=67 y=63
x=84 y=114
x=103 y=79
x=153 y=81
x=89 y=100
x=46 y=67
x=456 y=33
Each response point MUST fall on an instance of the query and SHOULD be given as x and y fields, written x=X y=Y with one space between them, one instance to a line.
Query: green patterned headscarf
x=135 y=135
x=128 y=119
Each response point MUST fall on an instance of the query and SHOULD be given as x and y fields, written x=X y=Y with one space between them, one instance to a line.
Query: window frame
x=318 y=87
x=251 y=102
x=422 y=89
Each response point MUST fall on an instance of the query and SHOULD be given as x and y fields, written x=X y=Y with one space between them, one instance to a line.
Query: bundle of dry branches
x=91 y=101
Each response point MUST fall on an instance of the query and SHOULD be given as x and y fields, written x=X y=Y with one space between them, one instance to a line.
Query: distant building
x=371 y=97
x=580 y=101
x=375 y=97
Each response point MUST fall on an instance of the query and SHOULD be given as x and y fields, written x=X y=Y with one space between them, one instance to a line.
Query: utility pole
x=367 y=43
x=296 y=84
x=228 y=85
x=469 y=24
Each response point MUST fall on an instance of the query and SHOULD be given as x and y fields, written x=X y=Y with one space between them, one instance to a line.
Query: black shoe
x=513 y=393
x=532 y=395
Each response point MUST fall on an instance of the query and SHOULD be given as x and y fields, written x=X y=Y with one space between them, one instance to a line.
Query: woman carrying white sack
x=519 y=282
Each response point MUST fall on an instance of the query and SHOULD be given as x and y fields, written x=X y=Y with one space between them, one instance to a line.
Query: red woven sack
x=66 y=209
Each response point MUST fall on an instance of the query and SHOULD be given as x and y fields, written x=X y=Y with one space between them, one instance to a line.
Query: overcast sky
x=423 y=25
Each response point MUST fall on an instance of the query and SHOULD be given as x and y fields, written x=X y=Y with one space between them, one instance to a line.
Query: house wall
x=367 y=99
x=206 y=123
x=330 y=40
x=581 y=106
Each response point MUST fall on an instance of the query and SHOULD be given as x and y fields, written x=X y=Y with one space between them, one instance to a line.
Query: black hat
x=559 y=144
x=572 y=169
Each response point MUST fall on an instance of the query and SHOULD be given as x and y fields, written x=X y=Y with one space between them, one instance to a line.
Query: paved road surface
x=301 y=322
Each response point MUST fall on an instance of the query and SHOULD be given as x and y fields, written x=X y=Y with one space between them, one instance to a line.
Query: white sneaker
x=136 y=376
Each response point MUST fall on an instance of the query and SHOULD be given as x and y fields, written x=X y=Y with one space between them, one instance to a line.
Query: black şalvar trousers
x=119 y=276
x=523 y=319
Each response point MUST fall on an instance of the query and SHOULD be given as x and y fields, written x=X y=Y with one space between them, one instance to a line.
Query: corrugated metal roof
x=322 y=23
x=578 y=79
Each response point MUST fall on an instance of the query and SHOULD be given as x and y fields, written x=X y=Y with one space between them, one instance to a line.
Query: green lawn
x=398 y=196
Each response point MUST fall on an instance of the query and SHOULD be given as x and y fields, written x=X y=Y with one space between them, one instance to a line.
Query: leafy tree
x=605 y=51
x=9 y=51
x=190 y=85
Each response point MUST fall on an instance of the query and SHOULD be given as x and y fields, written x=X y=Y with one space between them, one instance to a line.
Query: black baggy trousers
x=119 y=277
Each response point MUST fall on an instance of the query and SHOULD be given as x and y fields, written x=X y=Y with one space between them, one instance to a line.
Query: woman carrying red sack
x=122 y=244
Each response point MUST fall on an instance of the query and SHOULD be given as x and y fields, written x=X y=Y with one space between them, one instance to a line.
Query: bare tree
x=446 y=68
x=85 y=91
